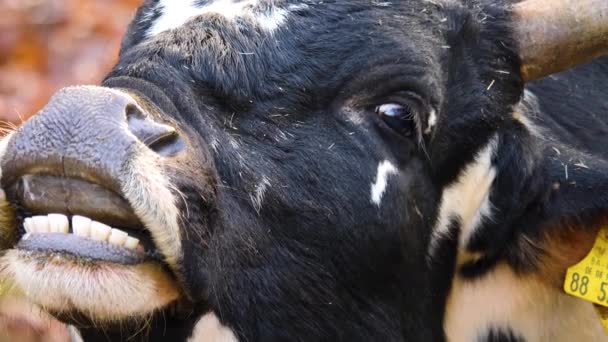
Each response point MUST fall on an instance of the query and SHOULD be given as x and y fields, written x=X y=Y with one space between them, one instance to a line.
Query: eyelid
x=410 y=98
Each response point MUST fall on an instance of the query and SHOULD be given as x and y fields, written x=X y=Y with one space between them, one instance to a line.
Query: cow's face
x=266 y=157
x=265 y=162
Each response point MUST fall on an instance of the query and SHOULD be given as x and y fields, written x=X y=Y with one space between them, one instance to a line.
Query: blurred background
x=46 y=45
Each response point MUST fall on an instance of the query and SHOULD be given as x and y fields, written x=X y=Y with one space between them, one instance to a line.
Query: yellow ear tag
x=588 y=279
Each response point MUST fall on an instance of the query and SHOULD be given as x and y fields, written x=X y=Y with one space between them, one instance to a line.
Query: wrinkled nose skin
x=89 y=133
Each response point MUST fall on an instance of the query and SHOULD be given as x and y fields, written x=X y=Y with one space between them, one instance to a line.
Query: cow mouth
x=80 y=251
x=86 y=239
x=80 y=220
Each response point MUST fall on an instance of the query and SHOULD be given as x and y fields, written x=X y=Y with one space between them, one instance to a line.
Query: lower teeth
x=81 y=226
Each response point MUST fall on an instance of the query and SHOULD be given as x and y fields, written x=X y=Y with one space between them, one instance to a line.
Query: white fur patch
x=526 y=108
x=385 y=169
x=273 y=19
x=152 y=198
x=210 y=329
x=105 y=292
x=467 y=198
x=533 y=311
x=176 y=13
x=432 y=122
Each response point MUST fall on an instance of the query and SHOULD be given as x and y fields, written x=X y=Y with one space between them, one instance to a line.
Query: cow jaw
x=101 y=291
x=89 y=269
x=79 y=267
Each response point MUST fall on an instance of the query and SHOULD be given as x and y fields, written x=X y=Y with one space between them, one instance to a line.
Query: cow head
x=279 y=170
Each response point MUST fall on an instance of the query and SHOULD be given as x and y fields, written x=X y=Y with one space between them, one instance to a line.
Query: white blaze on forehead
x=210 y=329
x=385 y=169
x=467 y=199
x=175 y=13
x=272 y=19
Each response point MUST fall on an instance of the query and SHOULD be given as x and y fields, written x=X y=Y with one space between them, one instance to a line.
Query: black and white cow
x=354 y=170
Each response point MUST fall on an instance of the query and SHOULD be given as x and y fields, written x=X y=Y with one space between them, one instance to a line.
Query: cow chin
x=104 y=293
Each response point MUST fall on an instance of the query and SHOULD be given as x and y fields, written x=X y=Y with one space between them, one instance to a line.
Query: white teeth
x=100 y=231
x=131 y=242
x=59 y=223
x=118 y=237
x=81 y=226
x=27 y=224
x=40 y=224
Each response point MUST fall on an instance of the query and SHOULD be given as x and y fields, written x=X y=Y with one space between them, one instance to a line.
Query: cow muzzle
x=90 y=221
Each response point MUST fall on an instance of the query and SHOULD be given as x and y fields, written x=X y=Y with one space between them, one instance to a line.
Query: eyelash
x=403 y=123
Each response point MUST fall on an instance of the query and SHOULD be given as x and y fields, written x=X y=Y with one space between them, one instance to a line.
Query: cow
x=361 y=170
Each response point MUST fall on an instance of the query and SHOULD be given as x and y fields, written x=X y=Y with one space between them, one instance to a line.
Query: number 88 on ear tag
x=588 y=279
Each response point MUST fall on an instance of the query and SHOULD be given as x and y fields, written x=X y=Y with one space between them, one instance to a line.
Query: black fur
x=293 y=111
x=555 y=178
x=318 y=260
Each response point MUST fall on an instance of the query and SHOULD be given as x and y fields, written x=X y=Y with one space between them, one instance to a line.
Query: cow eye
x=398 y=117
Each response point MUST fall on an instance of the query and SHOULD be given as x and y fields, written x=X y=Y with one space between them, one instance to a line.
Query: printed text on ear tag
x=588 y=279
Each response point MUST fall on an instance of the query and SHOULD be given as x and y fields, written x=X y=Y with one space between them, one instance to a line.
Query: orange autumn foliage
x=49 y=44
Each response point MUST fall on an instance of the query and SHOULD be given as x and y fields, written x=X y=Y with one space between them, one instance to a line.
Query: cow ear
x=546 y=206
x=567 y=205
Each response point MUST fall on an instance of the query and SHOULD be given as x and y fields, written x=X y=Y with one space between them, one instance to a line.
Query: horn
x=554 y=35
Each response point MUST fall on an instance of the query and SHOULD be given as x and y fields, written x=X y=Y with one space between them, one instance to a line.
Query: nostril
x=167 y=145
x=160 y=138
x=133 y=110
